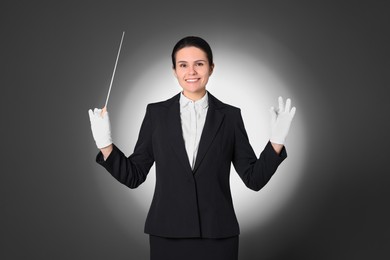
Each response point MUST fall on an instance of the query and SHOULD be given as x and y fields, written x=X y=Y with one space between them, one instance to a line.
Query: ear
x=174 y=72
x=211 y=69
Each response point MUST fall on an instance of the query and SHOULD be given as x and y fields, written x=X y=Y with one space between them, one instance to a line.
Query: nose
x=191 y=70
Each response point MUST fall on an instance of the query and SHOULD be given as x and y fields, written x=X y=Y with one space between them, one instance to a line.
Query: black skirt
x=162 y=248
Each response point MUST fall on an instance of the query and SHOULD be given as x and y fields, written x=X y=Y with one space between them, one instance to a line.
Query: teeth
x=192 y=80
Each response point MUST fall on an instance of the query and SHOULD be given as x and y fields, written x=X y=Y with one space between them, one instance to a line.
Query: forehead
x=190 y=54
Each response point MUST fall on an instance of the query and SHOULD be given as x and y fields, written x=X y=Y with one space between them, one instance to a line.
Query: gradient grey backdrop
x=57 y=58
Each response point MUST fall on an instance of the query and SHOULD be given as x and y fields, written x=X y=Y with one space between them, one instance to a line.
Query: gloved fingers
x=292 y=112
x=104 y=110
x=281 y=105
x=288 y=105
x=273 y=115
x=104 y=114
x=97 y=112
x=90 y=112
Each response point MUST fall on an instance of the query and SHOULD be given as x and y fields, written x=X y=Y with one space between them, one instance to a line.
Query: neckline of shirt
x=203 y=102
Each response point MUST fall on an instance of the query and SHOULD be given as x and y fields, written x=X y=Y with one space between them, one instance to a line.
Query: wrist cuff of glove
x=103 y=143
x=277 y=140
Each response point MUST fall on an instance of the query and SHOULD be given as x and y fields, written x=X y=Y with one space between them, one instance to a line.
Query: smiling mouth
x=191 y=80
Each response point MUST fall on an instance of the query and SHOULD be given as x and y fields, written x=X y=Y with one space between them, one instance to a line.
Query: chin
x=192 y=89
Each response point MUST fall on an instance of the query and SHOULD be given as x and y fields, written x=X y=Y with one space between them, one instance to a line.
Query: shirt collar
x=203 y=102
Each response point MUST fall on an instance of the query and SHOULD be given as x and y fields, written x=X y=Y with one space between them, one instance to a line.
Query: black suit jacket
x=186 y=202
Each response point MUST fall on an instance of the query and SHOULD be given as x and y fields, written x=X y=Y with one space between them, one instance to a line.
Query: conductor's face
x=192 y=71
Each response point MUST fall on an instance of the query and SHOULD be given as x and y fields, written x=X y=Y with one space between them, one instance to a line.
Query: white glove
x=101 y=128
x=281 y=121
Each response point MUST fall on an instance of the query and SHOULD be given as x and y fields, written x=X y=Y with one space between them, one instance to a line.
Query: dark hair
x=192 y=41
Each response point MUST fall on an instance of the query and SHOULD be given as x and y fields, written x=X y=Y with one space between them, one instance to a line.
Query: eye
x=199 y=64
x=182 y=65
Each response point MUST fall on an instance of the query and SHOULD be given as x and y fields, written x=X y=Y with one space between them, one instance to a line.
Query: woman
x=193 y=138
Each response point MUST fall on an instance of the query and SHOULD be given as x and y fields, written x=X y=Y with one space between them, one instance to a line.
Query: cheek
x=206 y=75
x=178 y=74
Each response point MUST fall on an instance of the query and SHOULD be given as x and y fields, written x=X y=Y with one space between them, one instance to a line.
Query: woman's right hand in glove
x=100 y=126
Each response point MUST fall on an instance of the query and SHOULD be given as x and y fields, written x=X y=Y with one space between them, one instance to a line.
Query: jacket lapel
x=214 y=119
x=213 y=122
x=175 y=133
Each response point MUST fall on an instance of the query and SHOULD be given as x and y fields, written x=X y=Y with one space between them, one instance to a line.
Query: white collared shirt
x=193 y=117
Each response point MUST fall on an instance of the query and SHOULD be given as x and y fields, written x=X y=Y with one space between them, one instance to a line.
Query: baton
x=113 y=74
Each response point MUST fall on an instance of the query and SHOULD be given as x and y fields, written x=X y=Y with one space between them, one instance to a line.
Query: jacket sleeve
x=254 y=172
x=132 y=171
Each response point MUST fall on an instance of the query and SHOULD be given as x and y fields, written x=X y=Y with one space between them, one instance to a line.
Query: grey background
x=56 y=61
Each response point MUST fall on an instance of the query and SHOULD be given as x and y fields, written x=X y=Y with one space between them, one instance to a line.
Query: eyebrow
x=182 y=61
